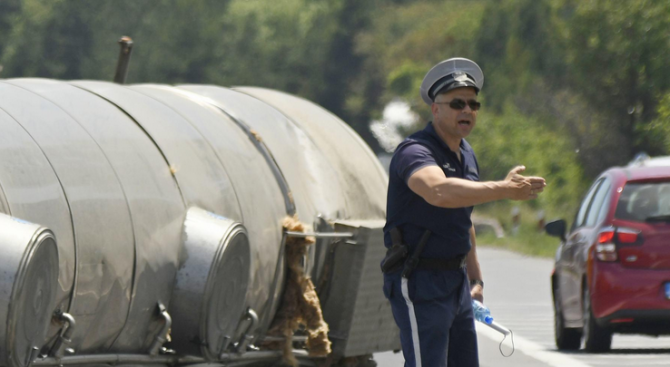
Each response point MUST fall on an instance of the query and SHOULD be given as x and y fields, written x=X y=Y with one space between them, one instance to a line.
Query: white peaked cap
x=450 y=74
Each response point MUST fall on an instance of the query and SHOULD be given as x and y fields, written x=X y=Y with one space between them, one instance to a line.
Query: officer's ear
x=433 y=108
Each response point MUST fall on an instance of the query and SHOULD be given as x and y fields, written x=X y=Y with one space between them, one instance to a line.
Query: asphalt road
x=519 y=296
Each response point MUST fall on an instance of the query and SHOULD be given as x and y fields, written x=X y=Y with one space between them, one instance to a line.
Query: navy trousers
x=433 y=310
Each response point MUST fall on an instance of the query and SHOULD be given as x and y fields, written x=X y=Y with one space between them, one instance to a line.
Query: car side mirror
x=556 y=228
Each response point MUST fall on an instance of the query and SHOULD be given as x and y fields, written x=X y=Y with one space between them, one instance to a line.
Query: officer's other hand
x=477 y=292
x=523 y=187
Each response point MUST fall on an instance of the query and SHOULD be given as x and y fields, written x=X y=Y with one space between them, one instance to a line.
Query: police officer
x=433 y=186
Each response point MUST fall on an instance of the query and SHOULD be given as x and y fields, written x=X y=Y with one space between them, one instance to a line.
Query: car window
x=640 y=201
x=581 y=214
x=598 y=204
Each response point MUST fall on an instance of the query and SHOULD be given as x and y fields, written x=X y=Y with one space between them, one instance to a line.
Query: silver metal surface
x=357 y=313
x=362 y=180
x=149 y=196
x=164 y=334
x=29 y=264
x=4 y=207
x=259 y=193
x=262 y=211
x=252 y=319
x=202 y=181
x=361 y=177
x=65 y=336
x=112 y=169
x=32 y=191
x=209 y=296
x=320 y=234
x=206 y=116
x=313 y=181
x=230 y=359
x=95 y=198
x=200 y=176
x=153 y=200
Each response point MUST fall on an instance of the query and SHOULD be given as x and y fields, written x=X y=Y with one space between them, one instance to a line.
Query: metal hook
x=248 y=335
x=162 y=336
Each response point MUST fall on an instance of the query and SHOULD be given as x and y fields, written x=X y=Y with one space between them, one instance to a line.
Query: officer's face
x=453 y=123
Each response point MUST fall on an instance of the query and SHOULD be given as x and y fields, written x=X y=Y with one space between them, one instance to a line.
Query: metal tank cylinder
x=257 y=186
x=313 y=182
x=29 y=264
x=208 y=298
x=124 y=207
x=362 y=180
x=169 y=200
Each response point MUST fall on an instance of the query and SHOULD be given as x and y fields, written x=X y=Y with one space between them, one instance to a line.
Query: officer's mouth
x=464 y=122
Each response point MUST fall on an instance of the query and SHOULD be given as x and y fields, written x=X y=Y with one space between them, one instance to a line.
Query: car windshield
x=644 y=202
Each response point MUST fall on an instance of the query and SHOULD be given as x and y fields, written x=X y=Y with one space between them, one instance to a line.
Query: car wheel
x=596 y=338
x=566 y=338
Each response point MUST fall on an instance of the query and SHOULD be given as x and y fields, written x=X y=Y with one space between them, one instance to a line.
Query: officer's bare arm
x=474 y=272
x=447 y=192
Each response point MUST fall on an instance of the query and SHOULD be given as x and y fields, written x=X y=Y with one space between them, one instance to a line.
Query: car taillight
x=606 y=236
x=609 y=238
x=627 y=236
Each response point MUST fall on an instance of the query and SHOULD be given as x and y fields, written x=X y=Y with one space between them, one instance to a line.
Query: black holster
x=396 y=256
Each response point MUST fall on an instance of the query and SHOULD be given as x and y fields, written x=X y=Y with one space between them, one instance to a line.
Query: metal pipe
x=126 y=44
x=320 y=234
x=162 y=336
x=223 y=345
x=169 y=360
x=248 y=335
x=296 y=338
x=65 y=337
x=32 y=356
x=116 y=359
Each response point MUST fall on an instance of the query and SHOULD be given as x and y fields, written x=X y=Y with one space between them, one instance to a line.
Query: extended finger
x=537 y=185
x=518 y=169
x=534 y=179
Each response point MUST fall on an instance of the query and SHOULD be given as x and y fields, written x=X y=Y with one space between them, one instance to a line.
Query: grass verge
x=529 y=239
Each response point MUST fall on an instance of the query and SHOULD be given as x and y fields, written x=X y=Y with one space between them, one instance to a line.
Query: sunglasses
x=459 y=104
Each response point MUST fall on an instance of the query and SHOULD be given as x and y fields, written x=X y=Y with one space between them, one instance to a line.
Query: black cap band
x=452 y=81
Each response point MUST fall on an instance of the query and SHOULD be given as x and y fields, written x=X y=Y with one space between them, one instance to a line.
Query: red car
x=612 y=269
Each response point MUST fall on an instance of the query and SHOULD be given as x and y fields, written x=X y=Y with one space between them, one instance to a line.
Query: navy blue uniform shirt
x=411 y=213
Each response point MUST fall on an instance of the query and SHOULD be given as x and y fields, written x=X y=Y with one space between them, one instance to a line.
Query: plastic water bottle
x=482 y=313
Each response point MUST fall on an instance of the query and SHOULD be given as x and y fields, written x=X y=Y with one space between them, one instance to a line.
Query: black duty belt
x=397 y=257
x=442 y=264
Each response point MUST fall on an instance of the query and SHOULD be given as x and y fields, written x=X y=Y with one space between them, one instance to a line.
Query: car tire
x=597 y=339
x=566 y=338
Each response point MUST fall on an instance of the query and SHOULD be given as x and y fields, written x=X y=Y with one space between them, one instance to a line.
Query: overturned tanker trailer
x=144 y=225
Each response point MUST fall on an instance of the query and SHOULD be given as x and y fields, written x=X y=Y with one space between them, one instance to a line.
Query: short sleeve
x=409 y=158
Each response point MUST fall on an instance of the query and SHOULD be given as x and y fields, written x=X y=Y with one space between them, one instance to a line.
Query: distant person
x=433 y=186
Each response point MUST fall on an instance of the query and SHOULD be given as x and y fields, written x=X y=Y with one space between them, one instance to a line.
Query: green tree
x=8 y=10
x=618 y=55
x=505 y=140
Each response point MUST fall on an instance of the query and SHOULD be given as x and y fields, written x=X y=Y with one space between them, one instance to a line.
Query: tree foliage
x=572 y=86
